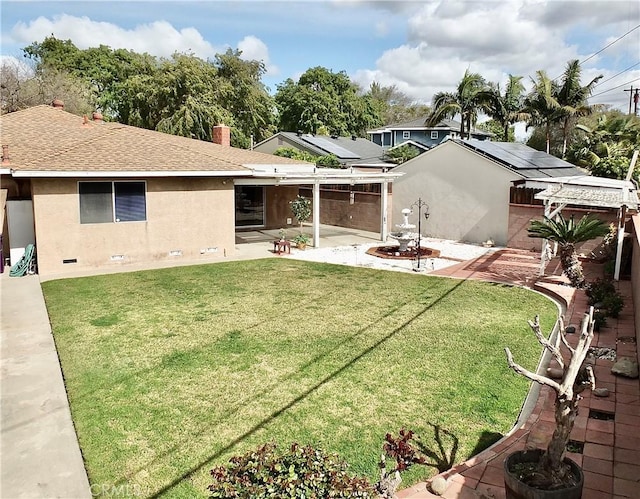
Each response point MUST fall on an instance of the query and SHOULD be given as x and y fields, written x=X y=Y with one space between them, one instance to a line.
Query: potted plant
x=301 y=240
x=540 y=473
x=301 y=208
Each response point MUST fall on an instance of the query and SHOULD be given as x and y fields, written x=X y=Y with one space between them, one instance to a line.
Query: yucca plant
x=568 y=233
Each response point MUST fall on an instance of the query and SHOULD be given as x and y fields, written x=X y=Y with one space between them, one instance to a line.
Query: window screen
x=98 y=200
x=95 y=202
x=130 y=201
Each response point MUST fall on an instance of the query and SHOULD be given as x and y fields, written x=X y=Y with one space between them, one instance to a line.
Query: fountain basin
x=395 y=253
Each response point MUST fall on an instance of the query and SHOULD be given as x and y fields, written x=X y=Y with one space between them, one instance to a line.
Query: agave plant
x=568 y=233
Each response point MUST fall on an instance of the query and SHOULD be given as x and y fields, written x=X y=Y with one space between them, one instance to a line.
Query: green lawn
x=172 y=371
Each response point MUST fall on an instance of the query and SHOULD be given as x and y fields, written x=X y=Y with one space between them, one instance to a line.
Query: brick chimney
x=57 y=103
x=221 y=135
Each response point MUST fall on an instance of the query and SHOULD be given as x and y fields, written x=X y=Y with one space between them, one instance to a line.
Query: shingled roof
x=48 y=141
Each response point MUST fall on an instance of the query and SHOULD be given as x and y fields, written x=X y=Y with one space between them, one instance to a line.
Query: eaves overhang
x=128 y=174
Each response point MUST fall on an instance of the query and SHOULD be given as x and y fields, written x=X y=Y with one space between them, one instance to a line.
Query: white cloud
x=158 y=38
x=255 y=49
x=497 y=38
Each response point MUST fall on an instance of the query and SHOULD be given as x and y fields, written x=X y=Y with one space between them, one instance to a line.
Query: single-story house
x=93 y=194
x=468 y=186
x=417 y=132
x=350 y=151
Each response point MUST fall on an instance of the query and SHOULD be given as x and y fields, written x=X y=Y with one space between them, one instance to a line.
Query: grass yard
x=172 y=371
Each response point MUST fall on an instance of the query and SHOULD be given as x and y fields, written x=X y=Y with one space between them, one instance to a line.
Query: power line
x=614 y=88
x=614 y=41
x=617 y=74
x=604 y=48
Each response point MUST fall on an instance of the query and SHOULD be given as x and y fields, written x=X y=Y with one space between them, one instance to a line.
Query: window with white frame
x=434 y=135
x=106 y=202
x=406 y=135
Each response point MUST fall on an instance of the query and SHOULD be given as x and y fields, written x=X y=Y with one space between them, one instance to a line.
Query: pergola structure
x=586 y=190
x=302 y=175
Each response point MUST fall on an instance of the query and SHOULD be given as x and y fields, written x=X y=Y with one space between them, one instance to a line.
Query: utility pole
x=633 y=96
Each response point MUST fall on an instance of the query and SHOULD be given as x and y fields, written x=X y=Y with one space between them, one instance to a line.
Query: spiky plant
x=568 y=233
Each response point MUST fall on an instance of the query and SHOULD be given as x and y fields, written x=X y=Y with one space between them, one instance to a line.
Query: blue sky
x=421 y=47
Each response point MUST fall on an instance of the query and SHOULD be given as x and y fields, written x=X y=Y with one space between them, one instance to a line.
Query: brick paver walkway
x=610 y=458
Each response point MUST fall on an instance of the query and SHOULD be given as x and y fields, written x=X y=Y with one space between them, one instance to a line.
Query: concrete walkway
x=39 y=452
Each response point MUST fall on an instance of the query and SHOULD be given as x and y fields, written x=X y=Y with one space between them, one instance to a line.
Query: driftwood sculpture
x=577 y=375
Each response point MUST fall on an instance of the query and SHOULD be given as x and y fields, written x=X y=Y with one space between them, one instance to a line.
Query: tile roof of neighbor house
x=522 y=159
x=348 y=149
x=45 y=139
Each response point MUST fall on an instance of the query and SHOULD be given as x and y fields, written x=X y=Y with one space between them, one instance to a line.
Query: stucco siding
x=468 y=195
x=191 y=216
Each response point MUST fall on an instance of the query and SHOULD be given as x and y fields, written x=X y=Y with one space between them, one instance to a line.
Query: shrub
x=300 y=472
x=603 y=293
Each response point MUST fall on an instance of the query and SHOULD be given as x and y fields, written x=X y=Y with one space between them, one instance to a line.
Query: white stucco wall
x=467 y=194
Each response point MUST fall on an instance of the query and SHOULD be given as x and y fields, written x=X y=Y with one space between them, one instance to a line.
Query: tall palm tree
x=572 y=98
x=472 y=96
x=542 y=106
x=568 y=234
x=507 y=108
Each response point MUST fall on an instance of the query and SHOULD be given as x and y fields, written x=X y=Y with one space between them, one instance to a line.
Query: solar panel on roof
x=520 y=156
x=330 y=147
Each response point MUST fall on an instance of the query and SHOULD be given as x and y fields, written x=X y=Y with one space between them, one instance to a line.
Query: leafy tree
x=394 y=106
x=572 y=97
x=568 y=234
x=542 y=105
x=104 y=70
x=497 y=129
x=328 y=161
x=20 y=89
x=293 y=153
x=322 y=98
x=507 y=108
x=606 y=144
x=402 y=153
x=472 y=96
x=246 y=97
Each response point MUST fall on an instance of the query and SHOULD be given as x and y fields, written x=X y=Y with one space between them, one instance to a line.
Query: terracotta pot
x=515 y=489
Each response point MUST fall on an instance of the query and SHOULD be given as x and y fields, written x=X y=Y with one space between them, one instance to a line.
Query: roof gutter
x=129 y=174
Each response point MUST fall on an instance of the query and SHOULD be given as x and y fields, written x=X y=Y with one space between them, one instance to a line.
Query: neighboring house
x=351 y=151
x=467 y=185
x=92 y=194
x=417 y=132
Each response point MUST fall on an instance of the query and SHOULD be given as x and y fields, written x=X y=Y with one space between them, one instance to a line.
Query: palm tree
x=507 y=108
x=542 y=106
x=572 y=98
x=568 y=234
x=472 y=95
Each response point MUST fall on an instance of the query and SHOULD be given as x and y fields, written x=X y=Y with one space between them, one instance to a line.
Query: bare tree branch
x=555 y=351
x=543 y=380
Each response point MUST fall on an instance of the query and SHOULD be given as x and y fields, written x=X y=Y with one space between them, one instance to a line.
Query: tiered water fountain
x=405 y=236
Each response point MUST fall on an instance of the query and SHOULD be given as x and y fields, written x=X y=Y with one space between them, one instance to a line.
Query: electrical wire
x=614 y=88
x=609 y=45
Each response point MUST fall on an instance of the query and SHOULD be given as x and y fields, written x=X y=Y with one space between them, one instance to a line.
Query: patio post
x=316 y=214
x=384 y=206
